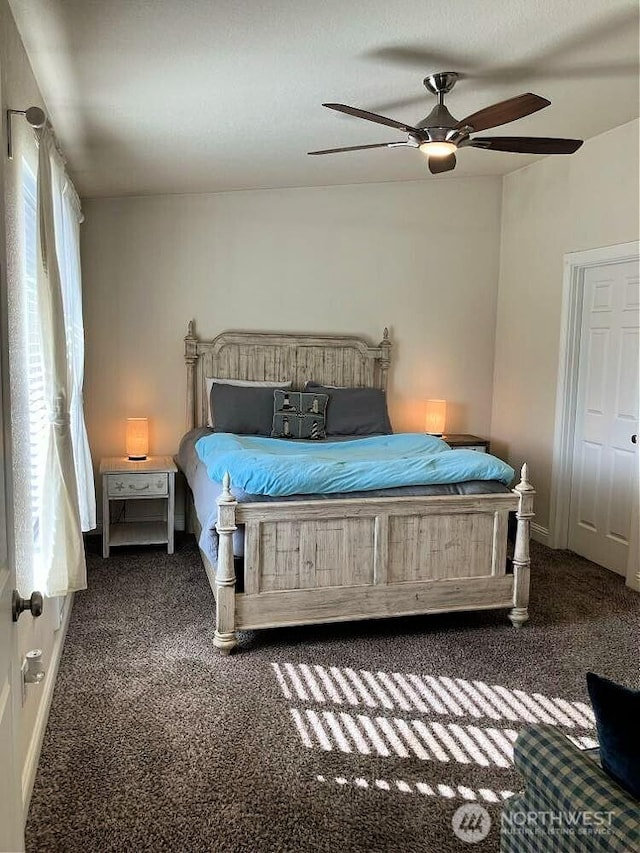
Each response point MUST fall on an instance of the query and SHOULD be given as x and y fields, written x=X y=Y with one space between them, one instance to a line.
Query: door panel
x=598 y=356
x=620 y=497
x=11 y=834
x=627 y=386
x=586 y=493
x=604 y=473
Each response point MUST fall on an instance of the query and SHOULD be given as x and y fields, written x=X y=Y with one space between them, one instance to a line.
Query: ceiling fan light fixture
x=438 y=149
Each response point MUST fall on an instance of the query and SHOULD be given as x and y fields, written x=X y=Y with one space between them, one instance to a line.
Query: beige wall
x=19 y=90
x=419 y=257
x=558 y=205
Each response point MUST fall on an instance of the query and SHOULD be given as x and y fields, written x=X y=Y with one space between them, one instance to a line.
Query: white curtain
x=67 y=219
x=62 y=565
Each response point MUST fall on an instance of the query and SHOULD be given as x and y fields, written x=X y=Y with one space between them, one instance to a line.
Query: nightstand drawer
x=140 y=485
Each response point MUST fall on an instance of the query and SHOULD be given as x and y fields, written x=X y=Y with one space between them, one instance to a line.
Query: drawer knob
x=139 y=488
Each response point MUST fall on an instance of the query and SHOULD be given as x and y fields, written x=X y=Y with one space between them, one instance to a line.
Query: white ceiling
x=170 y=96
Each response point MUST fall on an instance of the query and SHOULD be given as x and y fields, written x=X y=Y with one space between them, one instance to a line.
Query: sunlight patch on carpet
x=425 y=717
x=427 y=695
x=439 y=790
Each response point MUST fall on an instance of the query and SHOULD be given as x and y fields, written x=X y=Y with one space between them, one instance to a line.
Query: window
x=37 y=411
x=46 y=361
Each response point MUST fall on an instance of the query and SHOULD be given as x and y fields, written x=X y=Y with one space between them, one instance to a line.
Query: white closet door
x=605 y=458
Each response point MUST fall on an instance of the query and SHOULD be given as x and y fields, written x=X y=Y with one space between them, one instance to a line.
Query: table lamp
x=435 y=414
x=137 y=438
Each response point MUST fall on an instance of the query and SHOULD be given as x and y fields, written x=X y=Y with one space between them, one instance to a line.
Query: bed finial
x=226 y=496
x=190 y=358
x=385 y=358
x=524 y=485
x=519 y=613
x=225 y=637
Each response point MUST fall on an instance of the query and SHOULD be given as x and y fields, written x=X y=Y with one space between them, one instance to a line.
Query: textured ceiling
x=154 y=96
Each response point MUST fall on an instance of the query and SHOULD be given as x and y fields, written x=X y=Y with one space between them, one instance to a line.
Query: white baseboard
x=35 y=744
x=633 y=581
x=540 y=534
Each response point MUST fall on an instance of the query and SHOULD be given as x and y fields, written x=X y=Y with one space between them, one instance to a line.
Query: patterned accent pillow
x=299 y=415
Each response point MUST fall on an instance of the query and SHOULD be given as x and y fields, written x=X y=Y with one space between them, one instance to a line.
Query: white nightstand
x=127 y=480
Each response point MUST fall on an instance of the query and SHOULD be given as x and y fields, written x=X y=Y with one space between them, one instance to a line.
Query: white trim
x=539 y=533
x=633 y=565
x=32 y=757
x=575 y=264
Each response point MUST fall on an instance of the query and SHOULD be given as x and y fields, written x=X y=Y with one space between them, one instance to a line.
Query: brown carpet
x=156 y=743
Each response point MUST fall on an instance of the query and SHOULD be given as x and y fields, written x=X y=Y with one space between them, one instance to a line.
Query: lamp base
x=136 y=458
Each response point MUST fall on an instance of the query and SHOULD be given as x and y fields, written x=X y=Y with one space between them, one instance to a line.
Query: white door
x=11 y=834
x=604 y=474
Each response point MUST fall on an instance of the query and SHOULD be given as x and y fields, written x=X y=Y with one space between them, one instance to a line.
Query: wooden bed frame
x=316 y=561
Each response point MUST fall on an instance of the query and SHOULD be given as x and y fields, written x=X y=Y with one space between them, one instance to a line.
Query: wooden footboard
x=336 y=560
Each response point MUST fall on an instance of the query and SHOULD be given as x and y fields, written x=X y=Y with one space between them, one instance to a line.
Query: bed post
x=521 y=561
x=190 y=358
x=385 y=358
x=225 y=637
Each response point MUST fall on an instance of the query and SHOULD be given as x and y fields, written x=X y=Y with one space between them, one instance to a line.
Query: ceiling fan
x=440 y=135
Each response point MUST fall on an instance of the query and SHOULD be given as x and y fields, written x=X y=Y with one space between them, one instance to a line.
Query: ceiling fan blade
x=399 y=103
x=561 y=58
x=583 y=41
x=359 y=147
x=418 y=56
x=527 y=144
x=442 y=164
x=504 y=112
x=354 y=111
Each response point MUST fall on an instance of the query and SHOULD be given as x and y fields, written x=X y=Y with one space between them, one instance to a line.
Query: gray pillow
x=355 y=411
x=299 y=415
x=242 y=410
x=245 y=383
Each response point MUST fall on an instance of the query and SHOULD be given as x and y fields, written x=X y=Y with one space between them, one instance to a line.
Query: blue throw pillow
x=617 y=712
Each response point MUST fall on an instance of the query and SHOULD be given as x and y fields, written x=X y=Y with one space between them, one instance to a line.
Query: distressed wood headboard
x=329 y=359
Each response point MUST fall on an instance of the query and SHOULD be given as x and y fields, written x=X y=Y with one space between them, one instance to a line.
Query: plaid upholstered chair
x=569 y=803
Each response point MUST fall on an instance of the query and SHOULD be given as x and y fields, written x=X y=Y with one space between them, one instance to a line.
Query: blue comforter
x=277 y=467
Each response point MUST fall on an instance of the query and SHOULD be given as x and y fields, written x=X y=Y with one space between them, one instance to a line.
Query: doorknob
x=18 y=605
x=634 y=439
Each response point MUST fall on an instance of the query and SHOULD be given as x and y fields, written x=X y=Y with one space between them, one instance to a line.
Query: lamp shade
x=435 y=415
x=137 y=438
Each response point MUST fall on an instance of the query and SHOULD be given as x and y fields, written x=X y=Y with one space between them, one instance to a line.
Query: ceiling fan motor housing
x=439 y=126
